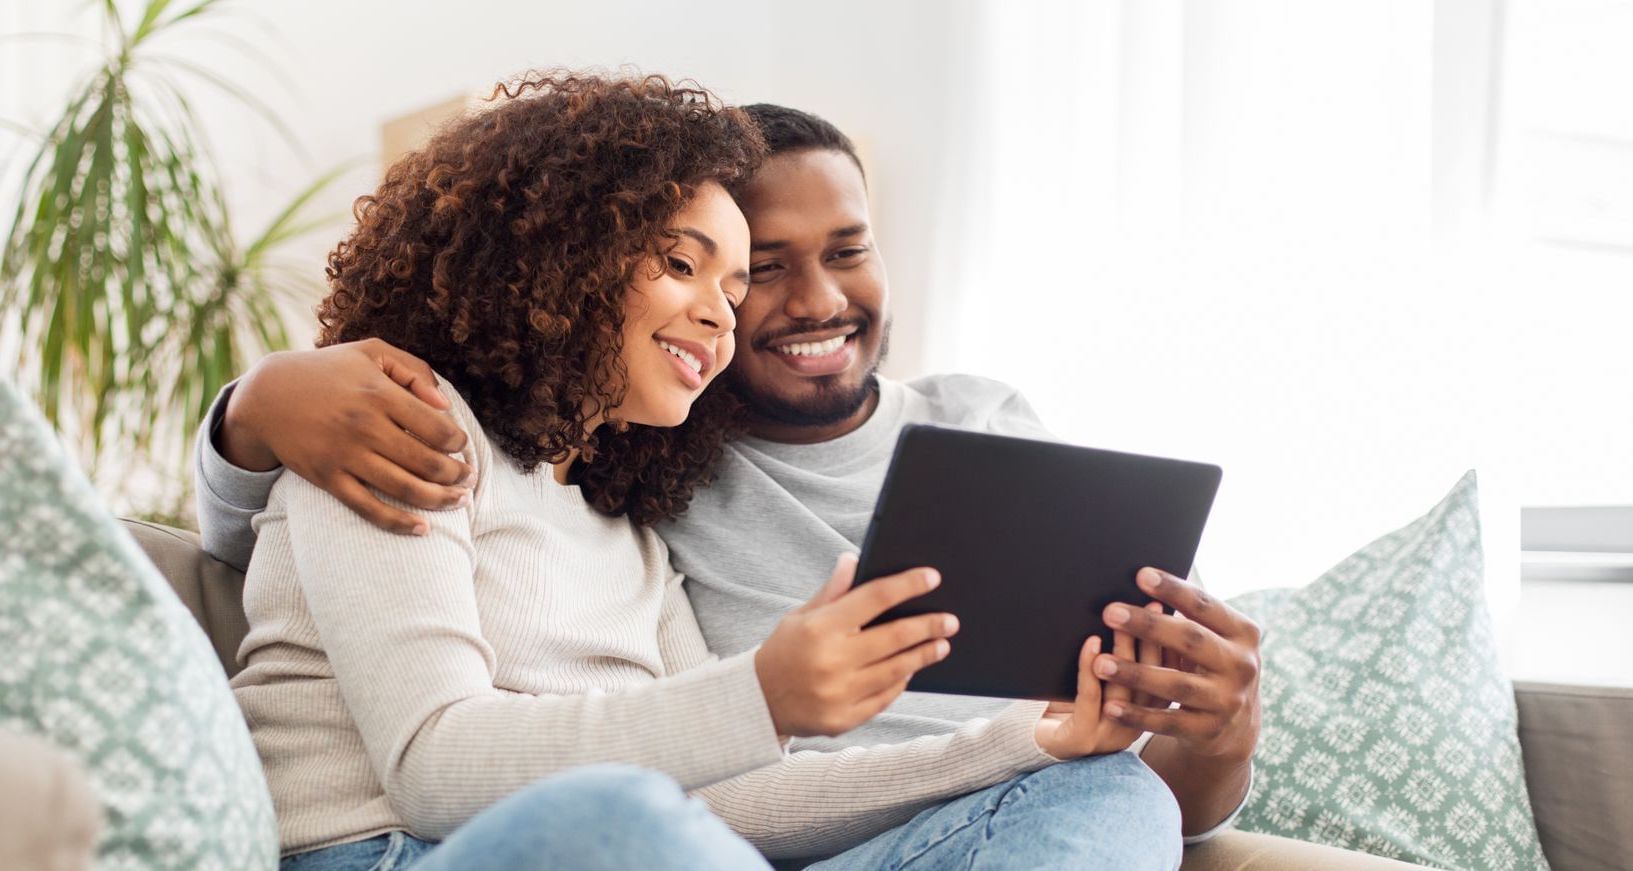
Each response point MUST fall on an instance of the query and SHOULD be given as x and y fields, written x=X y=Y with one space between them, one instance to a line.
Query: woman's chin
x=664 y=417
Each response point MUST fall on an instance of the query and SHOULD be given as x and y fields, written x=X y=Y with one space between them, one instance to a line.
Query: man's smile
x=828 y=356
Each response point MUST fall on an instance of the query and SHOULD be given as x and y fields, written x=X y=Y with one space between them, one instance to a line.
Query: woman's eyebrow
x=702 y=238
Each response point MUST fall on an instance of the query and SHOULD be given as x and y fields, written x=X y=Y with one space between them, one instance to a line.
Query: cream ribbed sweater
x=408 y=683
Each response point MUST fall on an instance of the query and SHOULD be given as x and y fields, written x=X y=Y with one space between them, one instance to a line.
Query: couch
x=1576 y=740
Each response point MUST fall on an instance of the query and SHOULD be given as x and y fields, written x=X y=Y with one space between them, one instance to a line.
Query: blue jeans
x=1106 y=811
x=596 y=817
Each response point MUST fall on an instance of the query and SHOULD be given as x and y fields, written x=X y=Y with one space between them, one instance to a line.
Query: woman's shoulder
x=478 y=450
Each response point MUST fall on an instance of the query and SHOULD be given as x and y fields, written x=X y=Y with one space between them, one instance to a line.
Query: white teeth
x=685 y=356
x=813 y=349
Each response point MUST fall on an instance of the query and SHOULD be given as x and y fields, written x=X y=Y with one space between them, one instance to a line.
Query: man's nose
x=817 y=298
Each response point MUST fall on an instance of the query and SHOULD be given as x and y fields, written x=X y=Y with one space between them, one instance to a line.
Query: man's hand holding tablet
x=1203 y=748
x=1212 y=668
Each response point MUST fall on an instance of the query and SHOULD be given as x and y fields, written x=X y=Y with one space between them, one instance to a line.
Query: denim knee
x=629 y=796
x=1118 y=781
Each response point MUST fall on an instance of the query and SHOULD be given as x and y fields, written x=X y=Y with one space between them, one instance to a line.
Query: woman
x=568 y=261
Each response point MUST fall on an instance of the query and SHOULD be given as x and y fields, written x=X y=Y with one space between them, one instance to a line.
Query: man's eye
x=763 y=271
x=680 y=266
x=848 y=253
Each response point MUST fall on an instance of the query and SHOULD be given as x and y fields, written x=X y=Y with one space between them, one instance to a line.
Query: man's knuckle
x=445 y=469
x=1193 y=638
x=1248 y=667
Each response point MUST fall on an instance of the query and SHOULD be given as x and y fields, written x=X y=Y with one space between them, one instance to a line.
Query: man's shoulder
x=973 y=401
x=959 y=393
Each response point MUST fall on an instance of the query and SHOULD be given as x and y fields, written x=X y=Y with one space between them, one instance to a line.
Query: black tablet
x=1033 y=540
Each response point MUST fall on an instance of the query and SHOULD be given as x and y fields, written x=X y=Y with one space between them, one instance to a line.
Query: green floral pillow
x=103 y=660
x=1388 y=724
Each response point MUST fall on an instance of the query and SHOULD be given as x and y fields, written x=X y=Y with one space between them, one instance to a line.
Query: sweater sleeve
x=228 y=497
x=399 y=622
x=816 y=803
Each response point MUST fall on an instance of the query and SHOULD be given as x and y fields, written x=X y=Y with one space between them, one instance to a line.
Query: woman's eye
x=680 y=266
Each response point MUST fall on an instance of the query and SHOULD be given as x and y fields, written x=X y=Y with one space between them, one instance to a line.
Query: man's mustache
x=802 y=327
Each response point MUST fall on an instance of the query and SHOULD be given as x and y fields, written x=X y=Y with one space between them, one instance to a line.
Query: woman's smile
x=692 y=361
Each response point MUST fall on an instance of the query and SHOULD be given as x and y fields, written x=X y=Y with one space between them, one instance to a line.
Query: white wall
x=879 y=71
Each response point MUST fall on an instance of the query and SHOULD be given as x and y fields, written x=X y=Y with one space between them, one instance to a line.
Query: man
x=810 y=335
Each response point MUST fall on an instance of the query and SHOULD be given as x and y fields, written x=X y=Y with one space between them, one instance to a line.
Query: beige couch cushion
x=211 y=589
x=1579 y=766
x=49 y=820
x=1250 y=851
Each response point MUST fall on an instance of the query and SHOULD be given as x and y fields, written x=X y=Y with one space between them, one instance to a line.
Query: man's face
x=813 y=329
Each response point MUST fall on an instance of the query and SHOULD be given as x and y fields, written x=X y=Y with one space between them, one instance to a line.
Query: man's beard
x=831 y=403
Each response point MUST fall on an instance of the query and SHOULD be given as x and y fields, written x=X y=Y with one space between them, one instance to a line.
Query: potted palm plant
x=127 y=294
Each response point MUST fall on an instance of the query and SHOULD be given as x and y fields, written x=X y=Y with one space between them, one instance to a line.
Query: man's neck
x=796 y=434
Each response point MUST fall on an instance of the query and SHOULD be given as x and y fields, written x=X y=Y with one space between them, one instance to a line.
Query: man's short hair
x=790 y=130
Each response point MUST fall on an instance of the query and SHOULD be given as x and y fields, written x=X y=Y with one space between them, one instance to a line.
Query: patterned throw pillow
x=103 y=660
x=1388 y=724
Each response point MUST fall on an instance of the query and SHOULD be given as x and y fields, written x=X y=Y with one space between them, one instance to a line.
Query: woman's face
x=679 y=317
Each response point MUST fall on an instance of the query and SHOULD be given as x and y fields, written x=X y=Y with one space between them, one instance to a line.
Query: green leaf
x=284 y=227
x=134 y=302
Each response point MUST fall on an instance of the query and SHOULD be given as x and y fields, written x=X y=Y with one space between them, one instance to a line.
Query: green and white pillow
x=104 y=661
x=1389 y=726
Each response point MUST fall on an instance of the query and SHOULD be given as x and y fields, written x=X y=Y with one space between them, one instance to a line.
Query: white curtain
x=1234 y=231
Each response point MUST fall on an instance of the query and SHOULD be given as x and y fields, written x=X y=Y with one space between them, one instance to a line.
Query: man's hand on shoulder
x=350 y=417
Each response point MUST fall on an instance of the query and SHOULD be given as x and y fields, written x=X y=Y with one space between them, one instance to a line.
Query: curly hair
x=502 y=252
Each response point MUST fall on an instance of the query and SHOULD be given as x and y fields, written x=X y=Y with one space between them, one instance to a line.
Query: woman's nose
x=715 y=313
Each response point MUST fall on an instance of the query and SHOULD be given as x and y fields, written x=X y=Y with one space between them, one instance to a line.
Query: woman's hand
x=1068 y=730
x=824 y=674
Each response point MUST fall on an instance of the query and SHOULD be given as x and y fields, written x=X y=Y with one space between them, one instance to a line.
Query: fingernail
x=1154 y=607
x=464 y=500
x=1113 y=709
x=1106 y=667
x=421 y=528
x=942 y=648
x=932 y=579
x=1094 y=644
x=1148 y=579
x=1116 y=615
x=469 y=480
x=949 y=624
